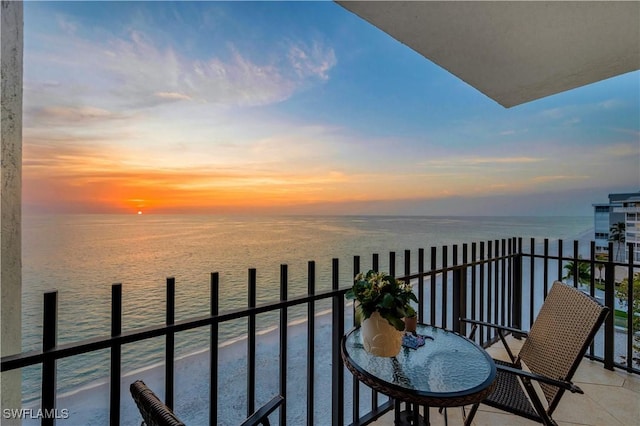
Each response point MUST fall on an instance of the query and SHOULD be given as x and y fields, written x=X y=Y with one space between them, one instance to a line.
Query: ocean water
x=81 y=256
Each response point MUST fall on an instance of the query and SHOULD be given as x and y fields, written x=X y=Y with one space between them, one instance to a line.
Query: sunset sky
x=294 y=107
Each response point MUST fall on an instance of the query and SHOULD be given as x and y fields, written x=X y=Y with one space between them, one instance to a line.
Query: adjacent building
x=622 y=208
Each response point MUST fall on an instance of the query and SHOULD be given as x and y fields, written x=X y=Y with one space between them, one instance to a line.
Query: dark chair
x=552 y=351
x=261 y=416
x=155 y=413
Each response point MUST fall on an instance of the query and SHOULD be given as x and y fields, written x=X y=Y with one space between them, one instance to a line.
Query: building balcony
x=635 y=209
x=501 y=281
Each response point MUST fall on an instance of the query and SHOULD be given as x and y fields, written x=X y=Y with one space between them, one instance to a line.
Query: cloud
x=65 y=115
x=610 y=104
x=572 y=121
x=620 y=150
x=455 y=162
x=137 y=70
x=314 y=61
x=501 y=160
x=66 y=25
x=544 y=179
x=553 y=113
x=237 y=82
x=174 y=96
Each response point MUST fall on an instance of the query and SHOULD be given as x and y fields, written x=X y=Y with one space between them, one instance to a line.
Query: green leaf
x=388 y=301
x=396 y=322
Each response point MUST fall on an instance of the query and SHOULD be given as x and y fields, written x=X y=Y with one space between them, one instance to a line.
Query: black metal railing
x=488 y=281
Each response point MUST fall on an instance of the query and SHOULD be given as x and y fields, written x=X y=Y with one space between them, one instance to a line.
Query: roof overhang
x=516 y=51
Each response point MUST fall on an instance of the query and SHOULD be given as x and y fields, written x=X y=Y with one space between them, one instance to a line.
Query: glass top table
x=448 y=370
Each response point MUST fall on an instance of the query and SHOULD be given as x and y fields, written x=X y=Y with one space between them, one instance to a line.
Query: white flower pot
x=379 y=337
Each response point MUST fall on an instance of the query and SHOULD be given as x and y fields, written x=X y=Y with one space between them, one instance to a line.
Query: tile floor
x=611 y=398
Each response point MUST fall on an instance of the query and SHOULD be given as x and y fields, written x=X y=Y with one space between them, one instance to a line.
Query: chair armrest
x=564 y=384
x=497 y=326
x=263 y=412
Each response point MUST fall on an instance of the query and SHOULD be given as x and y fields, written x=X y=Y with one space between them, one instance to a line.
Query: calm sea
x=81 y=256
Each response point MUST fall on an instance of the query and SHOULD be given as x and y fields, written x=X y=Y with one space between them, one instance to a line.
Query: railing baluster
x=337 y=404
x=482 y=291
x=532 y=274
x=116 y=329
x=392 y=263
x=576 y=264
x=432 y=279
x=465 y=260
x=251 y=345
x=630 y=310
x=376 y=267
x=421 y=285
x=496 y=287
x=454 y=259
x=170 y=343
x=592 y=291
x=510 y=252
x=609 y=301
x=355 y=415
x=503 y=283
x=490 y=264
x=474 y=281
x=311 y=340
x=560 y=266
x=214 y=306
x=445 y=286
x=407 y=263
x=49 y=341
x=284 y=277
x=545 y=274
x=459 y=298
x=516 y=301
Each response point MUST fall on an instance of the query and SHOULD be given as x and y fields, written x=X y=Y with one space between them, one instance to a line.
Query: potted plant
x=383 y=303
x=411 y=320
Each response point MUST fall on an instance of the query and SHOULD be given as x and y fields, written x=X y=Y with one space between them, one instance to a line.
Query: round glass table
x=449 y=370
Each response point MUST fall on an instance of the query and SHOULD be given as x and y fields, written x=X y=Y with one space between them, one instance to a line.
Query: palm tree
x=584 y=272
x=617 y=235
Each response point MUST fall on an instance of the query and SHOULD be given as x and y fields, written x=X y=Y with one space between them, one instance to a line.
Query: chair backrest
x=559 y=337
x=153 y=411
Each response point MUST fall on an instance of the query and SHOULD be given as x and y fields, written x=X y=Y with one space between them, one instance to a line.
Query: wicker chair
x=552 y=351
x=261 y=416
x=155 y=413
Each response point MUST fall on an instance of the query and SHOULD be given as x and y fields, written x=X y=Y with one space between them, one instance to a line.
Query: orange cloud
x=76 y=178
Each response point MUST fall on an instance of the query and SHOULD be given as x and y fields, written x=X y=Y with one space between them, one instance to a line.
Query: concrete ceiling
x=516 y=51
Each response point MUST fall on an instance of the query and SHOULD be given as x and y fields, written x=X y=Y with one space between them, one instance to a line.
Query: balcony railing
x=499 y=281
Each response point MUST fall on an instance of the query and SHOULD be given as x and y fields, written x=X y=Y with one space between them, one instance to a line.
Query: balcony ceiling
x=515 y=52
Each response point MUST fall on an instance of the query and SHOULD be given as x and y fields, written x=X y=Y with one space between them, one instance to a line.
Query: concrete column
x=11 y=37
